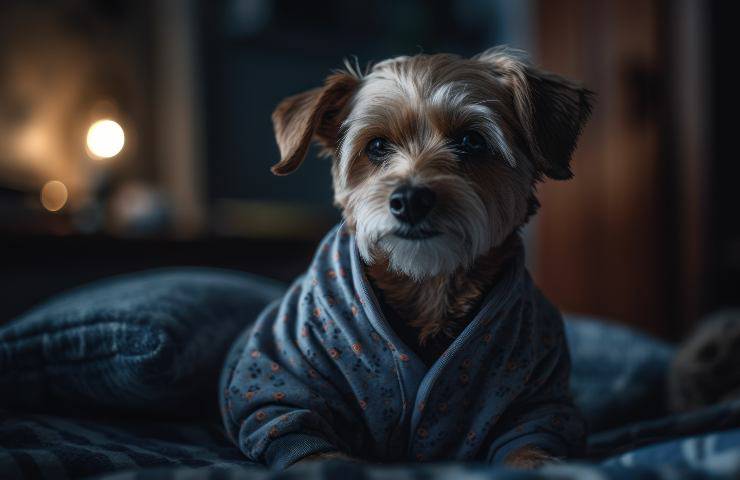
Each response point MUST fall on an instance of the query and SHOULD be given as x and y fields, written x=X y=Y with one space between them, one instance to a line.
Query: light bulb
x=105 y=139
x=54 y=195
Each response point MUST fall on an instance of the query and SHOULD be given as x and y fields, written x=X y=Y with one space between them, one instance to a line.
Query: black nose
x=411 y=204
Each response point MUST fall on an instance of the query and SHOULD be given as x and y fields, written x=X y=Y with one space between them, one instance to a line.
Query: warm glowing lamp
x=54 y=195
x=105 y=139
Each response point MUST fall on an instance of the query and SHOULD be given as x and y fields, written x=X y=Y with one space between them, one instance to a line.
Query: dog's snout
x=411 y=204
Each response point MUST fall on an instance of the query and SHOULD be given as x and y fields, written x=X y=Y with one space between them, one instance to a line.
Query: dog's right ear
x=552 y=109
x=313 y=115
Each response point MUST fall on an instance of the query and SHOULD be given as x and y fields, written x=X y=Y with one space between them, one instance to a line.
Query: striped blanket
x=705 y=444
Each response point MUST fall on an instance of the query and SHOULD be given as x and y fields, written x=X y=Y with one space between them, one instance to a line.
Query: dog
x=417 y=334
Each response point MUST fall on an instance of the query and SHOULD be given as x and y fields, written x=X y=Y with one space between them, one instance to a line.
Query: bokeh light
x=54 y=195
x=105 y=139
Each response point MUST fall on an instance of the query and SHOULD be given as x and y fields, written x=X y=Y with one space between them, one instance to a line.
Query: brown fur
x=441 y=305
x=313 y=114
x=527 y=458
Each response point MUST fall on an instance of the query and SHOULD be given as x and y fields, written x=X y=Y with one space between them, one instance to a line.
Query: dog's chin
x=415 y=233
x=421 y=254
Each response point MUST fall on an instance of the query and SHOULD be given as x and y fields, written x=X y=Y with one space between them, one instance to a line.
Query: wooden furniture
x=627 y=237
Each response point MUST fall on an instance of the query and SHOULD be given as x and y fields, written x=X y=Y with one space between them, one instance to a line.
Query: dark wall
x=287 y=46
x=724 y=213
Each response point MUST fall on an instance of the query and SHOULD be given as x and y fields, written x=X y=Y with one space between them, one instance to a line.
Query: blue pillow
x=618 y=375
x=151 y=341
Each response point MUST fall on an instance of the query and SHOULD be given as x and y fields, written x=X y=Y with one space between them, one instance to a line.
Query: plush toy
x=706 y=369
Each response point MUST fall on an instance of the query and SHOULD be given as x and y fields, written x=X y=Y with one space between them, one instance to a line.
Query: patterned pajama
x=321 y=370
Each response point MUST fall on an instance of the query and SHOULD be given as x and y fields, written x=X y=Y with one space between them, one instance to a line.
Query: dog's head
x=436 y=157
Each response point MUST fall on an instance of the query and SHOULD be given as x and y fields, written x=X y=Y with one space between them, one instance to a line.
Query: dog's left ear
x=551 y=109
x=313 y=115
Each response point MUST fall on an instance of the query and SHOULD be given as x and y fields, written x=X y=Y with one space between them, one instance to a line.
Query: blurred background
x=137 y=134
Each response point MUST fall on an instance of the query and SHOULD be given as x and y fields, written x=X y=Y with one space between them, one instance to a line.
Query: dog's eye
x=471 y=143
x=377 y=149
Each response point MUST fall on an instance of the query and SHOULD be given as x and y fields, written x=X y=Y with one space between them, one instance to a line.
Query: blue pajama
x=321 y=370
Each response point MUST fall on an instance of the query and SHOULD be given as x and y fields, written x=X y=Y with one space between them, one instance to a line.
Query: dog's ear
x=551 y=109
x=313 y=115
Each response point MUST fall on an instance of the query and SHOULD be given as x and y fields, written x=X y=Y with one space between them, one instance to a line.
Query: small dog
x=417 y=333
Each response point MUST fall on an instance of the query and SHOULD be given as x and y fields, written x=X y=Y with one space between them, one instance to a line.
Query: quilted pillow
x=151 y=341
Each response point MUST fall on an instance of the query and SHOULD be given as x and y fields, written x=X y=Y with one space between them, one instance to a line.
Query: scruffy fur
x=438 y=307
x=529 y=120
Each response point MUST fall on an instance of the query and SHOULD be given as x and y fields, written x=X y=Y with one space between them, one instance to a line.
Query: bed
x=117 y=380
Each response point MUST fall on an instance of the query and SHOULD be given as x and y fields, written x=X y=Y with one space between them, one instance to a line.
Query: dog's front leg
x=528 y=457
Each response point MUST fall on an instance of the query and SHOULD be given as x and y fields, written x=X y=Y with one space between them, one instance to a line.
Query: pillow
x=618 y=374
x=151 y=341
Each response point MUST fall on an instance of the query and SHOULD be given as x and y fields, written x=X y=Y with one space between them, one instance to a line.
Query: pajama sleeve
x=276 y=403
x=544 y=415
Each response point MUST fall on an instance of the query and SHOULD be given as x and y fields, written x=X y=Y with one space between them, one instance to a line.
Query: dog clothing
x=321 y=370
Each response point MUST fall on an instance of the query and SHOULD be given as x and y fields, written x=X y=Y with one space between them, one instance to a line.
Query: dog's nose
x=411 y=204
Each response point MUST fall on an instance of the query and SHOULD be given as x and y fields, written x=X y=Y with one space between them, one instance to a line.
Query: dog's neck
x=436 y=310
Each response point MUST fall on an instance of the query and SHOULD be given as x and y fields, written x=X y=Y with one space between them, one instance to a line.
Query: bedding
x=138 y=333
x=618 y=375
x=148 y=342
x=52 y=447
x=89 y=435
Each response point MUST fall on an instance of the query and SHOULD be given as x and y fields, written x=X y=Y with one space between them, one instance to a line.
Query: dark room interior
x=137 y=136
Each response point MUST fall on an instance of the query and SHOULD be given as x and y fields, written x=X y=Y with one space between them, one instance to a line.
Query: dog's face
x=436 y=157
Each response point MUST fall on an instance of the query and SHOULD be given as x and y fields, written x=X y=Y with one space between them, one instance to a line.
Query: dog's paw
x=326 y=456
x=528 y=458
